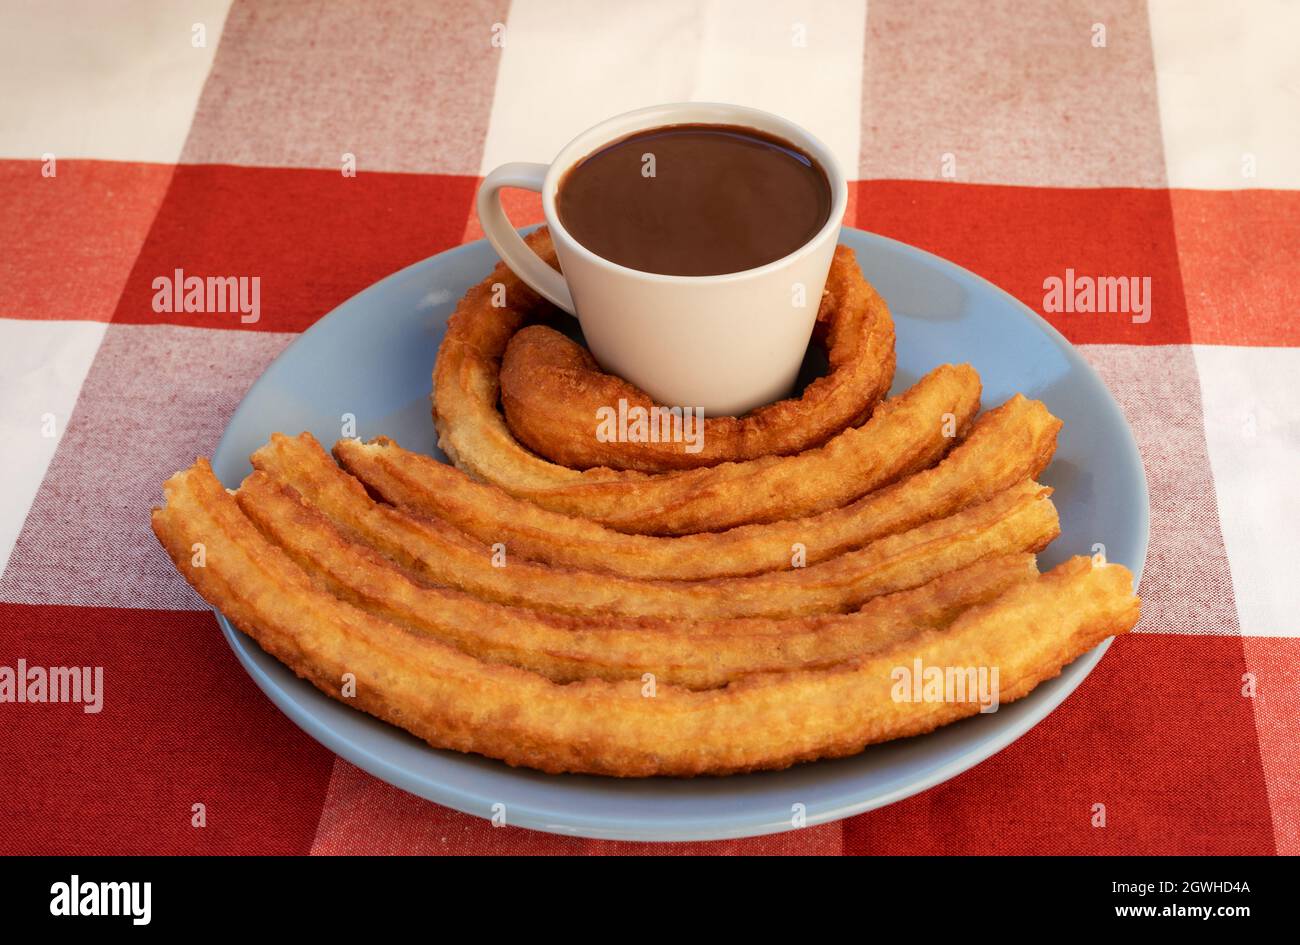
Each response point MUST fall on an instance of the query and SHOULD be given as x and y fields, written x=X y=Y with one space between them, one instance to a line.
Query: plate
x=372 y=358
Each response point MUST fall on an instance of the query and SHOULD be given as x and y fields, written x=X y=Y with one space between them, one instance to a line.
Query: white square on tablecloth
x=116 y=81
x=1253 y=433
x=570 y=64
x=1229 y=81
x=42 y=367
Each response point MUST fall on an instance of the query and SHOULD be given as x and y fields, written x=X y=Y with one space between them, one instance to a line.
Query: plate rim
x=293 y=700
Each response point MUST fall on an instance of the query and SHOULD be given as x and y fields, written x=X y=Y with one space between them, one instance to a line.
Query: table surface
x=320 y=146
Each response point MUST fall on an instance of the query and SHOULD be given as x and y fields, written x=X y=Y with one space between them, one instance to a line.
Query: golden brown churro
x=693 y=653
x=1021 y=518
x=906 y=434
x=773 y=605
x=772 y=720
x=552 y=391
x=1007 y=445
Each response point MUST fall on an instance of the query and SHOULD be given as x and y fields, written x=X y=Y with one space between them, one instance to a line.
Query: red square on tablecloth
x=181 y=724
x=70 y=240
x=1019 y=237
x=314 y=238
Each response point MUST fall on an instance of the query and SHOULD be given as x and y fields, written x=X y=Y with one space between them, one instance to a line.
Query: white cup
x=724 y=343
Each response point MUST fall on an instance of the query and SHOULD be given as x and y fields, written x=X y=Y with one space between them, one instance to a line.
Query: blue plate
x=372 y=358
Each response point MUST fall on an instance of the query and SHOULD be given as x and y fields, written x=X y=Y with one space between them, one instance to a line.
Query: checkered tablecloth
x=1113 y=138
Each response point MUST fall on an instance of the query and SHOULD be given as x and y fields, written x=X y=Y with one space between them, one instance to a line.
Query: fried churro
x=1007 y=445
x=552 y=392
x=766 y=721
x=689 y=652
x=1021 y=518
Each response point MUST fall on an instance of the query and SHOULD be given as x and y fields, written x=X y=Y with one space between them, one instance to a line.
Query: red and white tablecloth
x=1113 y=138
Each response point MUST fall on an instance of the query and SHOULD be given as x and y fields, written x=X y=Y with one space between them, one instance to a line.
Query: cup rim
x=723 y=113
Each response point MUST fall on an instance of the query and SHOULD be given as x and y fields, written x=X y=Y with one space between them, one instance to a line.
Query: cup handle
x=509 y=245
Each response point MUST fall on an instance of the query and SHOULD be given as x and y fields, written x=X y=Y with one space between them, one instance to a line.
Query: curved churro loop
x=906 y=434
x=552 y=391
x=903 y=436
x=453 y=700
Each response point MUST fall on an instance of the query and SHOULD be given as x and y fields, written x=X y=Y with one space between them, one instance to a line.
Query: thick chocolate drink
x=695 y=200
